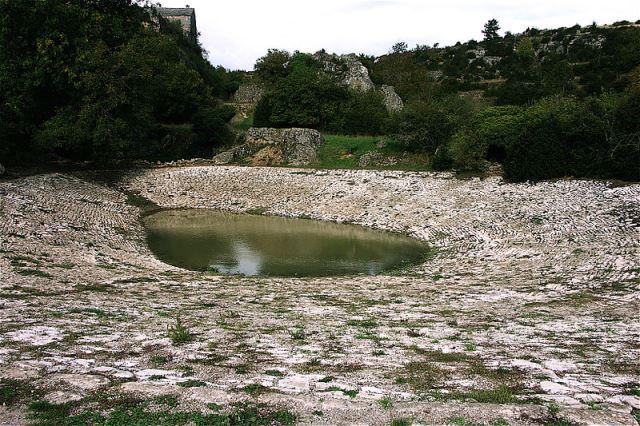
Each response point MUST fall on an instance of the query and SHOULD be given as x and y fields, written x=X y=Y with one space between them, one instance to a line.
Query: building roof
x=176 y=11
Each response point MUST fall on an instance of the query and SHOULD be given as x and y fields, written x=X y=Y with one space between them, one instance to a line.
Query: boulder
x=392 y=100
x=270 y=147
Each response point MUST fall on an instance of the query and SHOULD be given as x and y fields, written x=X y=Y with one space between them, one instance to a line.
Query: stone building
x=186 y=16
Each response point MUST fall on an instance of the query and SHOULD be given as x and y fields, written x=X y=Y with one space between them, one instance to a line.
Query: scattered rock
x=36 y=336
x=371 y=159
x=225 y=157
x=85 y=382
x=62 y=397
x=555 y=388
x=588 y=417
x=149 y=389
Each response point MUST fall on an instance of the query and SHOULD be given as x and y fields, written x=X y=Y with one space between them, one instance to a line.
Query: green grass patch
x=46 y=414
x=14 y=391
x=255 y=389
x=344 y=152
x=192 y=384
x=244 y=124
x=34 y=273
x=421 y=376
x=362 y=323
x=401 y=422
x=386 y=403
x=352 y=393
x=499 y=395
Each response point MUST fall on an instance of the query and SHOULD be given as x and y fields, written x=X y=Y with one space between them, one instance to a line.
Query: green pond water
x=275 y=246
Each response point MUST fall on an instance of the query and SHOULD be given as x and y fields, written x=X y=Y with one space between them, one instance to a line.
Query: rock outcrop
x=354 y=75
x=347 y=68
x=268 y=147
x=245 y=99
x=392 y=100
x=249 y=93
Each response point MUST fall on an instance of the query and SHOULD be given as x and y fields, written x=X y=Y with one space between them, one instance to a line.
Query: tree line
x=101 y=81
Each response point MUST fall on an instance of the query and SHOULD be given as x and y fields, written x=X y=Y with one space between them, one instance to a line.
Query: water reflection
x=275 y=246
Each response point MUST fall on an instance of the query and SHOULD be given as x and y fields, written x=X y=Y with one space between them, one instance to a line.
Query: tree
x=98 y=80
x=273 y=66
x=400 y=47
x=491 y=29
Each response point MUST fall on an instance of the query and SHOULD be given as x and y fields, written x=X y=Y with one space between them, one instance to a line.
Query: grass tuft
x=179 y=334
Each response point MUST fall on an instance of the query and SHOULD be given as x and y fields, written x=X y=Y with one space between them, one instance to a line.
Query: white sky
x=237 y=32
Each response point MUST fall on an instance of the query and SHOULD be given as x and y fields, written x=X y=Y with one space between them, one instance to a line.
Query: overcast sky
x=237 y=32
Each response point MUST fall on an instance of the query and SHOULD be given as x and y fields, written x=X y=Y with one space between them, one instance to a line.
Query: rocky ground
x=527 y=313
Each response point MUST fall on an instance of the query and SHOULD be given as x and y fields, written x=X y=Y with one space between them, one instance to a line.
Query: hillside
x=517 y=68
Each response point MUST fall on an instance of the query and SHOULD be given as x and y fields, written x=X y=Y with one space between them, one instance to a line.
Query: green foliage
x=536 y=64
x=568 y=137
x=425 y=126
x=98 y=81
x=273 y=66
x=491 y=29
x=400 y=47
x=13 y=391
x=364 y=114
x=304 y=96
x=497 y=128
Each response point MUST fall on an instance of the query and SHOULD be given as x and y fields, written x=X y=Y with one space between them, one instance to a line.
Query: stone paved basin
x=532 y=299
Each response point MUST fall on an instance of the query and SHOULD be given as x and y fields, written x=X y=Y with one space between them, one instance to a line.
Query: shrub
x=273 y=66
x=96 y=81
x=364 y=114
x=488 y=137
x=569 y=137
x=310 y=98
x=424 y=127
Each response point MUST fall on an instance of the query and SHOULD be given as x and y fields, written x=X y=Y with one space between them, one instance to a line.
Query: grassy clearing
x=344 y=152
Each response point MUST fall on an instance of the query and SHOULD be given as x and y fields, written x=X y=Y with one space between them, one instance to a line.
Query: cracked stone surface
x=532 y=298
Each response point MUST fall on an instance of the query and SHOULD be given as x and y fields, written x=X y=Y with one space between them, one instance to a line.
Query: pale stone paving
x=533 y=288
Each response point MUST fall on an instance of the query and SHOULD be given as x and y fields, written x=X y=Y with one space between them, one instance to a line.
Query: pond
x=275 y=246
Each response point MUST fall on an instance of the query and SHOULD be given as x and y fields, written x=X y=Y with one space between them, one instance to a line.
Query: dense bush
x=305 y=98
x=489 y=136
x=571 y=137
x=301 y=94
x=425 y=126
x=97 y=80
x=554 y=137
